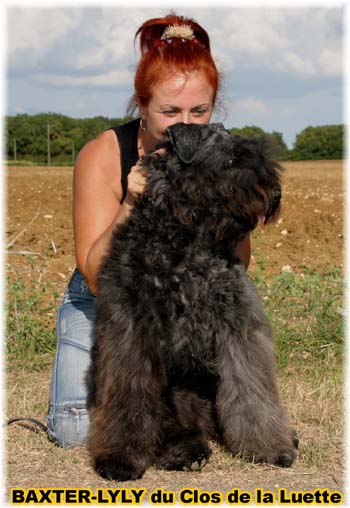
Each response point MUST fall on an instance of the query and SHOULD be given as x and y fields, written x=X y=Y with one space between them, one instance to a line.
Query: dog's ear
x=219 y=127
x=186 y=140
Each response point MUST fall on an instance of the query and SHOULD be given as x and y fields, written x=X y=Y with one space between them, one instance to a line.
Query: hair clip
x=183 y=32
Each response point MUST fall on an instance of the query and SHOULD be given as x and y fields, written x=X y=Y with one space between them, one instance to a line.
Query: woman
x=176 y=81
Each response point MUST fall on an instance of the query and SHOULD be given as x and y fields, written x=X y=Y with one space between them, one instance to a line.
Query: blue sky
x=282 y=67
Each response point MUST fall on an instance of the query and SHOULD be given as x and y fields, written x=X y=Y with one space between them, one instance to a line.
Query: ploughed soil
x=309 y=233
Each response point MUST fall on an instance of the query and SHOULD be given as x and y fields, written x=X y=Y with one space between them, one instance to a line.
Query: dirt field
x=309 y=233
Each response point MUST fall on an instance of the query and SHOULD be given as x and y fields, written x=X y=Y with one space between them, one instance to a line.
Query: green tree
x=67 y=135
x=274 y=139
x=321 y=142
x=278 y=145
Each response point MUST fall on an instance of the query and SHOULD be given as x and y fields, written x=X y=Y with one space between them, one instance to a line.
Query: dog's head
x=207 y=176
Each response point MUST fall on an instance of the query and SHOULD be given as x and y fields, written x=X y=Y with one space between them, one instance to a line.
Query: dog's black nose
x=186 y=140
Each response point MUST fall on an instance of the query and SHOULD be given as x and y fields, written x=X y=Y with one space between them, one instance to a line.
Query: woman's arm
x=243 y=251
x=97 y=193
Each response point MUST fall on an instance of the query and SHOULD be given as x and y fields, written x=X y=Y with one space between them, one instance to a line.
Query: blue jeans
x=68 y=418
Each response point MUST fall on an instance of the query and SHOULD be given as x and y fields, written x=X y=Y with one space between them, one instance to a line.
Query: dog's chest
x=177 y=289
x=187 y=303
x=188 y=345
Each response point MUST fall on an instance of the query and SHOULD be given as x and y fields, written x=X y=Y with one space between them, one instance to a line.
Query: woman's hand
x=137 y=179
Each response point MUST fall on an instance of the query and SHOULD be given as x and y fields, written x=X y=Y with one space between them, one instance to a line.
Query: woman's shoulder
x=101 y=149
x=101 y=153
x=105 y=146
x=99 y=161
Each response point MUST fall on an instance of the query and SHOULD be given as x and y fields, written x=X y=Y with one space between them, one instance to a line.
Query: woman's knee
x=68 y=426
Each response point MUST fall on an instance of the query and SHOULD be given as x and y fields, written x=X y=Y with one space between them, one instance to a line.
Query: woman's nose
x=185 y=118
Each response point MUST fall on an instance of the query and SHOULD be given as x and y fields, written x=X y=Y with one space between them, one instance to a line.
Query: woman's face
x=180 y=98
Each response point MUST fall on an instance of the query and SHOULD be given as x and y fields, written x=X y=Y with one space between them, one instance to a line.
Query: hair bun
x=154 y=31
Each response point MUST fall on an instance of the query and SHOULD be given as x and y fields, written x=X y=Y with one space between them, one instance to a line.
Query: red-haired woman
x=176 y=81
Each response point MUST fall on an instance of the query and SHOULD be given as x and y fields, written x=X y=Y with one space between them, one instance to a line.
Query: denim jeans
x=68 y=419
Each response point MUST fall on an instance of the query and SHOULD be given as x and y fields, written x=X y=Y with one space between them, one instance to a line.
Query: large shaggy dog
x=184 y=351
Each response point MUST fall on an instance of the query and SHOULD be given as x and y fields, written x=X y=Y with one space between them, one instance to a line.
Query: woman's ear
x=142 y=109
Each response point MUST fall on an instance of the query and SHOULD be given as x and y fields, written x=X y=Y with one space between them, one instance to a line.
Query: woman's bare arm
x=97 y=193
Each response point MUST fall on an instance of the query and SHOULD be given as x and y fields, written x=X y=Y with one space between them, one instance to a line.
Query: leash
x=40 y=426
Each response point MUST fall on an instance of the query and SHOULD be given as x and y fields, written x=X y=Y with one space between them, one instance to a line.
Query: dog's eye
x=276 y=196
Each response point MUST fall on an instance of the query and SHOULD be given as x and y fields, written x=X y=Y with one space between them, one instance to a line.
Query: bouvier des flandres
x=184 y=351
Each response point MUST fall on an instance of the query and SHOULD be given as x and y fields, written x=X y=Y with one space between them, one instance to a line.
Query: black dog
x=184 y=351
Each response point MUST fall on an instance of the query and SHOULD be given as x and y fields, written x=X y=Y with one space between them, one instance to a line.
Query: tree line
x=56 y=139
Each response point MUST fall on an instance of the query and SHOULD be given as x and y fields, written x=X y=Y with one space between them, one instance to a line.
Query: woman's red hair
x=162 y=58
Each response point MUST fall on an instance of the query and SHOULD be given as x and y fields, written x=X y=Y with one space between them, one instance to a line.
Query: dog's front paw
x=184 y=453
x=283 y=457
x=117 y=471
x=286 y=458
x=198 y=463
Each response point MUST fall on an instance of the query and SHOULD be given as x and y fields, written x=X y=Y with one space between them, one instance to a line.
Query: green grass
x=36 y=163
x=30 y=315
x=305 y=311
x=18 y=163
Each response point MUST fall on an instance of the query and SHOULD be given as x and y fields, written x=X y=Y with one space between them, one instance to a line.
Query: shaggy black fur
x=184 y=351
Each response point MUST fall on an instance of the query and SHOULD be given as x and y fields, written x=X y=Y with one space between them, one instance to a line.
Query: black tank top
x=127 y=139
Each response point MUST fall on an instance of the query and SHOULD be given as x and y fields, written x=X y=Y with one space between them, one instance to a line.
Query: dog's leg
x=186 y=428
x=250 y=414
x=125 y=427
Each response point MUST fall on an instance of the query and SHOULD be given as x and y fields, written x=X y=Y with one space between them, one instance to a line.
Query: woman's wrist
x=129 y=201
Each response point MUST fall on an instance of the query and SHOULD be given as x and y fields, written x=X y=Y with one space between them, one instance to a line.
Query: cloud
x=285 y=39
x=251 y=104
x=108 y=79
x=76 y=40
x=293 y=63
x=32 y=31
x=18 y=109
x=331 y=62
x=303 y=41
